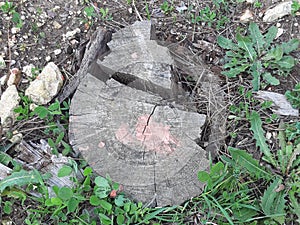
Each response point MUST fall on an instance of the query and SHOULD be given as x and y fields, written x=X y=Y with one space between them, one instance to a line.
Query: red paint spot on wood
x=101 y=144
x=153 y=136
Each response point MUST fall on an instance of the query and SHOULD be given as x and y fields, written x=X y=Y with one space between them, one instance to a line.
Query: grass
x=241 y=187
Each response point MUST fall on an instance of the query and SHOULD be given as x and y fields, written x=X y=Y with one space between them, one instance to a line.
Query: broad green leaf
x=246 y=160
x=5 y=159
x=294 y=203
x=290 y=46
x=20 y=178
x=72 y=205
x=273 y=202
x=258 y=133
x=120 y=219
x=120 y=200
x=94 y=200
x=270 y=36
x=203 y=176
x=106 y=205
x=256 y=37
x=54 y=106
x=275 y=54
x=101 y=182
x=255 y=72
x=217 y=169
x=104 y=219
x=246 y=44
x=287 y=62
x=64 y=171
x=233 y=72
x=270 y=79
x=226 y=43
x=65 y=193
x=56 y=201
x=41 y=111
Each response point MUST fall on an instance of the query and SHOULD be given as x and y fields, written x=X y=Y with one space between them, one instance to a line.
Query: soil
x=43 y=37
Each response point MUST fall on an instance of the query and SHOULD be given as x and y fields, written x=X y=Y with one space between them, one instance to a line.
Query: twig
x=136 y=11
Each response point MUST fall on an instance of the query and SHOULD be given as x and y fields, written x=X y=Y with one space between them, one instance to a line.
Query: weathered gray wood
x=136 y=58
x=139 y=140
x=138 y=130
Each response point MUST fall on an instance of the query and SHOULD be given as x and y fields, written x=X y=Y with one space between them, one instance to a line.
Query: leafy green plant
x=90 y=14
x=257 y=4
x=167 y=7
x=10 y=9
x=295 y=7
x=255 y=55
x=105 y=14
x=24 y=112
x=293 y=96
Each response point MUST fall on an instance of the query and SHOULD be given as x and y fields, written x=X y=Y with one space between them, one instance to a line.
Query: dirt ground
x=45 y=36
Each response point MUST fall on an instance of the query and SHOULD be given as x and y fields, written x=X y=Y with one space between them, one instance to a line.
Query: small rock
x=279 y=11
x=246 y=16
x=70 y=34
x=48 y=58
x=9 y=101
x=16 y=138
x=46 y=85
x=281 y=105
x=56 y=25
x=57 y=51
x=279 y=33
x=250 y=1
x=2 y=63
x=28 y=70
x=268 y=135
x=14 y=77
x=15 y=30
x=182 y=7
x=2 y=80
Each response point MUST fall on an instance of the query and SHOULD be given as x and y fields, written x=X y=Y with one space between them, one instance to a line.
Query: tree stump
x=132 y=121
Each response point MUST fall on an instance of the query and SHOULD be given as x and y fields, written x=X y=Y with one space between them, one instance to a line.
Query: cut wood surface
x=131 y=120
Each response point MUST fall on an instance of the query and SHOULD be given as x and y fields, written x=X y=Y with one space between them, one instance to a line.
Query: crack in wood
x=147 y=124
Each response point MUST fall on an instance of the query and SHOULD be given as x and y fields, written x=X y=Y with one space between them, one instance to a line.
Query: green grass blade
x=222 y=210
x=258 y=133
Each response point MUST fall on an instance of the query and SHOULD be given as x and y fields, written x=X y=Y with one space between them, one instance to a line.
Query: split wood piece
x=140 y=140
x=135 y=57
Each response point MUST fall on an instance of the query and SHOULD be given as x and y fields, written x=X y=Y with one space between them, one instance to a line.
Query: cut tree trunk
x=131 y=120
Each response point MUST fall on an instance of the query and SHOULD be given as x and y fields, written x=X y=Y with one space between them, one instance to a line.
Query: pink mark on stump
x=101 y=144
x=153 y=136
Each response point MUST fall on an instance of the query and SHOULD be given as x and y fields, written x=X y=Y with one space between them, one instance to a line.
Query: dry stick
x=136 y=11
x=97 y=46
x=9 y=54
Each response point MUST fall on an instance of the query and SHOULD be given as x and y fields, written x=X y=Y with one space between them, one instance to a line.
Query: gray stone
x=9 y=101
x=47 y=84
